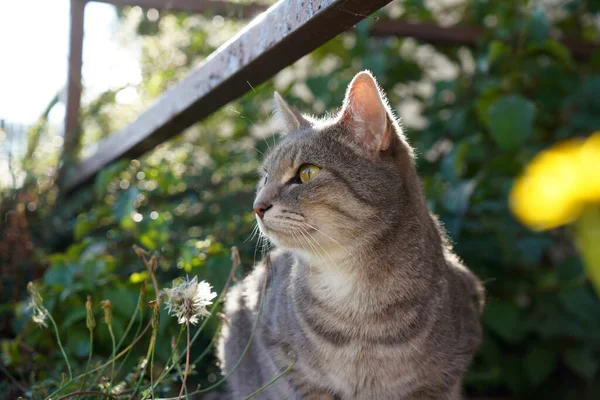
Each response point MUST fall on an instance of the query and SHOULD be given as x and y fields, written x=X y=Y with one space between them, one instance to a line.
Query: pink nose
x=260 y=209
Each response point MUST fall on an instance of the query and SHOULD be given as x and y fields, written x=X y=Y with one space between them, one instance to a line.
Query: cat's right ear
x=291 y=118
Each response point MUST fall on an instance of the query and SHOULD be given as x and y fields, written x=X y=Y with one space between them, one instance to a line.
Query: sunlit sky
x=34 y=37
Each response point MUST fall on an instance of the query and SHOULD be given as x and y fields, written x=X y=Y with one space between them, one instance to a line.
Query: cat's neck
x=367 y=279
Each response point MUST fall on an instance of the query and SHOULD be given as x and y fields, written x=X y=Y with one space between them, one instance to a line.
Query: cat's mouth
x=287 y=232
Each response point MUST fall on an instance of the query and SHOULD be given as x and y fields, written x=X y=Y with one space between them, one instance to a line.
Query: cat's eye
x=308 y=172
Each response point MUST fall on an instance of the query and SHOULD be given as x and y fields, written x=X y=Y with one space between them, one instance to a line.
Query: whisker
x=242 y=143
x=311 y=239
x=249 y=120
x=329 y=237
x=335 y=265
x=255 y=229
x=258 y=245
x=305 y=249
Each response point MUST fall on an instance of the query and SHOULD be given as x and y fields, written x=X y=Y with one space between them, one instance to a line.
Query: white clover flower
x=187 y=300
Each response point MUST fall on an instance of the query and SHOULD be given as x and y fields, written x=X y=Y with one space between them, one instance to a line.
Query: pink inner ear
x=365 y=113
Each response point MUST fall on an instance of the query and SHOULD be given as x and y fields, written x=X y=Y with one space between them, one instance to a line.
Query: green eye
x=308 y=172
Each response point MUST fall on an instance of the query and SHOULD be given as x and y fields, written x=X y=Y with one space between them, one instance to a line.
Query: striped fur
x=364 y=296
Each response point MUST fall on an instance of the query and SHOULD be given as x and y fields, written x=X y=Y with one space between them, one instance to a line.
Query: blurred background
x=478 y=100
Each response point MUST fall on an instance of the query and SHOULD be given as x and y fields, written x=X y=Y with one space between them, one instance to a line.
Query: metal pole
x=72 y=129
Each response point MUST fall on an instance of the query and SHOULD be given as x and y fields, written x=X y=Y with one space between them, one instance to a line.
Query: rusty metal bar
x=242 y=10
x=275 y=39
x=72 y=129
x=459 y=35
x=427 y=32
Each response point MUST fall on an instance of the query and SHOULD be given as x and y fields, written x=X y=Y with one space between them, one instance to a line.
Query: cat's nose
x=261 y=208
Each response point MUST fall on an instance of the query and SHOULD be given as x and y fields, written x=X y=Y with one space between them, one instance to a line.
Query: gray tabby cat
x=364 y=296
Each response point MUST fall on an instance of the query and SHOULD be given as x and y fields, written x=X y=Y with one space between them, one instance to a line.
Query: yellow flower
x=558 y=184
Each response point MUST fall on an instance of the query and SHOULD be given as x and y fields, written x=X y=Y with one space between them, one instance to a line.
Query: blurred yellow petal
x=138 y=277
x=545 y=196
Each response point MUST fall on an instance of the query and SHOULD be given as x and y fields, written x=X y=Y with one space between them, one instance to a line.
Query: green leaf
x=587 y=237
x=78 y=343
x=513 y=372
x=582 y=362
x=124 y=300
x=487 y=97
x=106 y=175
x=74 y=251
x=581 y=303
x=510 y=120
x=554 y=49
x=571 y=268
x=125 y=204
x=456 y=198
x=539 y=363
x=74 y=316
x=538 y=29
x=92 y=272
x=533 y=247
x=496 y=50
x=59 y=275
x=503 y=319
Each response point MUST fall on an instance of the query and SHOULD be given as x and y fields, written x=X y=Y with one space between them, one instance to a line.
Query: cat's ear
x=365 y=114
x=291 y=118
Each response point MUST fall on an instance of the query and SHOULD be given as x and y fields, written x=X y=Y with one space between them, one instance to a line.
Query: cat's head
x=333 y=184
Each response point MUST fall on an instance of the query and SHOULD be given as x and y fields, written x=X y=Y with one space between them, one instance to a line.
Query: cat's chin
x=280 y=239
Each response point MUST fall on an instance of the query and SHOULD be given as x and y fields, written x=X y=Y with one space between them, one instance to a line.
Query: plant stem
x=130 y=324
x=187 y=359
x=272 y=381
x=234 y=266
x=180 y=374
x=121 y=354
x=114 y=353
x=62 y=350
x=148 y=355
x=96 y=393
x=173 y=356
x=152 y=373
x=207 y=349
x=123 y=337
x=136 y=334
x=87 y=367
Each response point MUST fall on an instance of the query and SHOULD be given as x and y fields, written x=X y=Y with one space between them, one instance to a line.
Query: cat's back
x=467 y=285
x=458 y=332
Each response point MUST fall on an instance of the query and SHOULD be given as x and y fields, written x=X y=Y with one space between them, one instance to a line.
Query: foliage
x=482 y=114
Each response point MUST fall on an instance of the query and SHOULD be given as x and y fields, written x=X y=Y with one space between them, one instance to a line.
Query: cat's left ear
x=365 y=114
x=292 y=119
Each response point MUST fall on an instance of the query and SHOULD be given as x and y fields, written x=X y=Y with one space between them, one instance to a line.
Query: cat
x=364 y=297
